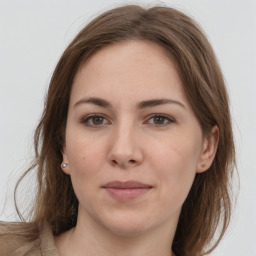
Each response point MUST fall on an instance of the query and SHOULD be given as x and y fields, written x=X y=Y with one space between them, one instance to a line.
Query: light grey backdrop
x=33 y=34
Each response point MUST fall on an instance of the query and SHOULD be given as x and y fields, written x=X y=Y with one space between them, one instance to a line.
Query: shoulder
x=22 y=239
x=18 y=239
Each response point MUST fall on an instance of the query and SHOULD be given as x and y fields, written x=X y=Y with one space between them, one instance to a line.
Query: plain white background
x=33 y=35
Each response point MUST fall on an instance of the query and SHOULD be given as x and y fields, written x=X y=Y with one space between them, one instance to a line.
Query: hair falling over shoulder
x=208 y=205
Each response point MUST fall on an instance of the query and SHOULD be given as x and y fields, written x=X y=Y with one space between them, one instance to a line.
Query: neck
x=86 y=239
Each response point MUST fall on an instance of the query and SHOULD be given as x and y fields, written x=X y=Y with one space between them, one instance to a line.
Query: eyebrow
x=157 y=102
x=95 y=101
x=141 y=105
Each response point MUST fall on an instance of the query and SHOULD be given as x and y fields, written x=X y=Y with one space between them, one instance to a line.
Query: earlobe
x=64 y=165
x=209 y=148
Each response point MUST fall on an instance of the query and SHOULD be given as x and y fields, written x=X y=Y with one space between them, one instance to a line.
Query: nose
x=125 y=148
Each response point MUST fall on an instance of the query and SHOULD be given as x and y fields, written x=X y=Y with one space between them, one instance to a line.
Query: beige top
x=12 y=243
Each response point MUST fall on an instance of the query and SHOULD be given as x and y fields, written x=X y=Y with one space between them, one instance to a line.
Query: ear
x=65 y=169
x=209 y=148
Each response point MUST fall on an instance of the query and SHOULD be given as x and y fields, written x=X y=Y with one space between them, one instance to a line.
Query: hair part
x=208 y=205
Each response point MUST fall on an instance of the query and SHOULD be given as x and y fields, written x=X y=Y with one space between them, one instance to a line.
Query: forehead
x=130 y=66
x=126 y=52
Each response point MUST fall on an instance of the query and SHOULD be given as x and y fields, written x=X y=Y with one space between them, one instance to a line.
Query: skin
x=127 y=142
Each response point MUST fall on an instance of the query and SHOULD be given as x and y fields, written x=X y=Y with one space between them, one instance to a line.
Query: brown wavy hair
x=208 y=205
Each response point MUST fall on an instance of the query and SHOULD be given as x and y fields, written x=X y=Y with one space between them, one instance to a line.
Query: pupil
x=97 y=120
x=158 y=119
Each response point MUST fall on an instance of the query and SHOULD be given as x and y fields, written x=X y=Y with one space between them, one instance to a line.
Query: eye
x=94 y=120
x=160 y=120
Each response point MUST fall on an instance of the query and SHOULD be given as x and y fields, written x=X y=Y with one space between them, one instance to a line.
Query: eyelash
x=167 y=119
x=90 y=117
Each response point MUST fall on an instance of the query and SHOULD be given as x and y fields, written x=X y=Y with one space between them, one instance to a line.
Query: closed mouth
x=123 y=191
x=126 y=185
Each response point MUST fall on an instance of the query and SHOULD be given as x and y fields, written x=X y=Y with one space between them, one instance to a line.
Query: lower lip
x=127 y=193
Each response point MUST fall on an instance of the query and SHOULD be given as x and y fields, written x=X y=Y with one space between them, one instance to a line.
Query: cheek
x=85 y=162
x=178 y=153
x=175 y=163
x=86 y=158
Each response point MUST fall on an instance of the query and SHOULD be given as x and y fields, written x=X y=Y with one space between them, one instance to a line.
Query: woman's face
x=133 y=144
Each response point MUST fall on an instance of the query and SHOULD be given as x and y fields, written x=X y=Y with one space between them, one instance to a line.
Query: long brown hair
x=208 y=204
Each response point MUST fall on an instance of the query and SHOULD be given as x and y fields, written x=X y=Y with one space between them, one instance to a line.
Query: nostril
x=123 y=161
x=114 y=161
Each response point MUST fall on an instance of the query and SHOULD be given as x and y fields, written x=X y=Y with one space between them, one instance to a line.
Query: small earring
x=64 y=165
x=203 y=165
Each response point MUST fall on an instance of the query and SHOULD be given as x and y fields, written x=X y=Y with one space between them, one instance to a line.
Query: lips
x=126 y=185
x=126 y=190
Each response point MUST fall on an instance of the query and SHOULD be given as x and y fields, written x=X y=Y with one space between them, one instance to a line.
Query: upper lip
x=126 y=184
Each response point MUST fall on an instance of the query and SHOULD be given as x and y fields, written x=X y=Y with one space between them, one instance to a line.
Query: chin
x=127 y=230
x=128 y=224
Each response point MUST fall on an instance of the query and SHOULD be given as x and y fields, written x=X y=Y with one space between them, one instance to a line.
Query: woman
x=134 y=150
